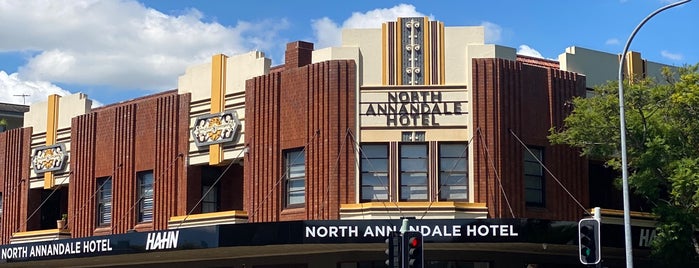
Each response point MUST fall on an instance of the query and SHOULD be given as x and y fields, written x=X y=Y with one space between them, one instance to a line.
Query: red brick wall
x=118 y=141
x=81 y=205
x=513 y=97
x=15 y=155
x=312 y=106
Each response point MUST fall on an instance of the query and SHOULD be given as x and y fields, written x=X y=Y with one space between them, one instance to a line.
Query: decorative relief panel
x=49 y=158
x=215 y=128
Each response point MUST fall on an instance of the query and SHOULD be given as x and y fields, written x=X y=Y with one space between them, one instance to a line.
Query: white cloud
x=119 y=43
x=671 y=56
x=328 y=33
x=12 y=89
x=612 y=42
x=493 y=32
x=528 y=51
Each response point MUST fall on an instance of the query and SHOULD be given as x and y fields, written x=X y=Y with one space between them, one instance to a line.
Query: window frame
x=213 y=194
x=369 y=172
x=294 y=158
x=145 y=194
x=449 y=170
x=402 y=172
x=104 y=203
x=208 y=179
x=527 y=158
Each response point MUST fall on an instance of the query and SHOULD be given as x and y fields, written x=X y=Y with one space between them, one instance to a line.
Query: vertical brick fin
x=124 y=206
x=261 y=190
x=496 y=93
x=484 y=96
x=81 y=202
x=182 y=146
x=573 y=173
x=14 y=179
x=168 y=164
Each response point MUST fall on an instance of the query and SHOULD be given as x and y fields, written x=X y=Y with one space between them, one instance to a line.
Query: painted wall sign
x=49 y=158
x=433 y=108
x=215 y=128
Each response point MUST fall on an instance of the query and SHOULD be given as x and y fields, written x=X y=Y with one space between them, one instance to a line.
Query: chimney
x=298 y=54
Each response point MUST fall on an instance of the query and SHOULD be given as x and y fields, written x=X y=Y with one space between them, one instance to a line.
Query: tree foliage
x=662 y=127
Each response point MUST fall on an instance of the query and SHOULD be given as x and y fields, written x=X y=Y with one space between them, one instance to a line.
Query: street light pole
x=624 y=163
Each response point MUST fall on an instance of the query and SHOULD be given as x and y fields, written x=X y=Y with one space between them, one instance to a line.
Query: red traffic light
x=414 y=242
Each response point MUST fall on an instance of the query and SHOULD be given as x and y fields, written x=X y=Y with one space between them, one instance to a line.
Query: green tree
x=662 y=121
x=3 y=124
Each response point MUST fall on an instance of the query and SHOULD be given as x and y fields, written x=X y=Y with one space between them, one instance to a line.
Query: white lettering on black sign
x=162 y=240
x=501 y=230
x=646 y=236
x=56 y=249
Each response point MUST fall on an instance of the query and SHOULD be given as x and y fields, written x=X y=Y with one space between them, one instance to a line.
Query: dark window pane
x=533 y=177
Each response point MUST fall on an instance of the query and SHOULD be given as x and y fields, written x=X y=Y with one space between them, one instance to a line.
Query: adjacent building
x=314 y=162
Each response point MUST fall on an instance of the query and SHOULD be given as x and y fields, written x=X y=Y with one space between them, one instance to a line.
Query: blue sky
x=116 y=50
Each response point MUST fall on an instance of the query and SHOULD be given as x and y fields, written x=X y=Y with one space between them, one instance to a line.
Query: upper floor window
x=211 y=201
x=534 y=177
x=104 y=201
x=413 y=171
x=295 y=177
x=374 y=167
x=145 y=196
x=453 y=171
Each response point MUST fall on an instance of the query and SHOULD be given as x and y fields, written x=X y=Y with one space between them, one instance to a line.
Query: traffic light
x=393 y=250
x=589 y=241
x=412 y=250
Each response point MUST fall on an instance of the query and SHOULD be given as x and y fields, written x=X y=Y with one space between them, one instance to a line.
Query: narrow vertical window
x=209 y=190
x=453 y=171
x=104 y=201
x=374 y=167
x=210 y=201
x=413 y=171
x=145 y=196
x=295 y=177
x=534 y=177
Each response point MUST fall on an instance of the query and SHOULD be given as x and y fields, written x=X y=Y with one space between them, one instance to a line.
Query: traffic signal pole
x=597 y=215
x=589 y=239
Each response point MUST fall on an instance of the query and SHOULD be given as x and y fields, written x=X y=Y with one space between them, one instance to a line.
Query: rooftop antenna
x=24 y=98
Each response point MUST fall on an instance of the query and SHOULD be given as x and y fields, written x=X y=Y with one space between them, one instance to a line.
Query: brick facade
x=309 y=106
x=117 y=142
x=14 y=181
x=512 y=99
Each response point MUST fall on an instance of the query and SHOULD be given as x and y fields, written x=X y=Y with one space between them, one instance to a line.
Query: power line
x=550 y=173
